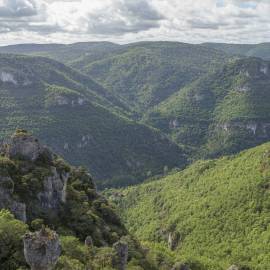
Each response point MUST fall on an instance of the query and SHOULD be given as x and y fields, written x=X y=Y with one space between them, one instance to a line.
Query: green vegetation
x=217 y=211
x=155 y=107
x=11 y=245
x=144 y=74
x=208 y=102
x=261 y=50
x=82 y=213
x=81 y=120
x=223 y=112
x=66 y=53
x=141 y=74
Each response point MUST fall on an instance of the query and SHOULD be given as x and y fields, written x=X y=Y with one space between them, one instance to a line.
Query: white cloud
x=243 y=21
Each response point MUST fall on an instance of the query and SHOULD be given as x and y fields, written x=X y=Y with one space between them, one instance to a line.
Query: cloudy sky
x=122 y=21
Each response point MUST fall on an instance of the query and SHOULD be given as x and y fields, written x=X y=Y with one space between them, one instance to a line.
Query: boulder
x=42 y=249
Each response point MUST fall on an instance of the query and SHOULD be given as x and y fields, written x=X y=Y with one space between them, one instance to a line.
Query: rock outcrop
x=22 y=145
x=52 y=181
x=180 y=266
x=89 y=241
x=7 y=201
x=173 y=240
x=121 y=249
x=233 y=267
x=258 y=129
x=42 y=249
x=54 y=189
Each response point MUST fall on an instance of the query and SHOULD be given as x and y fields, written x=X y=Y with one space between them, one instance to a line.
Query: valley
x=175 y=137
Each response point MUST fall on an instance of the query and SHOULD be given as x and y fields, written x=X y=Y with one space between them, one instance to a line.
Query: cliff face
x=37 y=184
x=25 y=150
x=8 y=202
x=42 y=190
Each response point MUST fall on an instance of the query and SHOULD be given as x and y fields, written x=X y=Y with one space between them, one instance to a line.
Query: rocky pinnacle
x=42 y=249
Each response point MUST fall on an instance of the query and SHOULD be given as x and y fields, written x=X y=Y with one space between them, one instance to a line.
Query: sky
x=124 y=21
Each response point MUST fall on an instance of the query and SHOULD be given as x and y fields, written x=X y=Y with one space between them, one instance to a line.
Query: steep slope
x=223 y=112
x=211 y=215
x=35 y=72
x=39 y=188
x=146 y=73
x=261 y=50
x=67 y=110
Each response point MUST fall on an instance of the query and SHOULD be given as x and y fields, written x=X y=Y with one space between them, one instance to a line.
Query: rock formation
x=173 y=240
x=233 y=267
x=89 y=241
x=180 y=266
x=7 y=201
x=42 y=249
x=121 y=249
x=54 y=189
x=25 y=146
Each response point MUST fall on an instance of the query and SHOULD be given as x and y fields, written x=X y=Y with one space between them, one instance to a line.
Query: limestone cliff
x=35 y=184
x=41 y=189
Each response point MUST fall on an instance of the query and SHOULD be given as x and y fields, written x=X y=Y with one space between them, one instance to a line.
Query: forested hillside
x=209 y=99
x=221 y=113
x=261 y=50
x=146 y=73
x=211 y=215
x=81 y=121
x=142 y=74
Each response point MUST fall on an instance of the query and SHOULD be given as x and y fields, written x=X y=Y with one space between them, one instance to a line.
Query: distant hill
x=81 y=120
x=210 y=98
x=211 y=215
x=222 y=112
x=66 y=53
x=142 y=74
x=146 y=73
x=261 y=50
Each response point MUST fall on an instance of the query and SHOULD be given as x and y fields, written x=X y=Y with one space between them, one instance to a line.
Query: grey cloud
x=121 y=20
x=25 y=15
x=123 y=16
x=204 y=24
x=18 y=8
x=117 y=29
x=141 y=9
x=130 y=17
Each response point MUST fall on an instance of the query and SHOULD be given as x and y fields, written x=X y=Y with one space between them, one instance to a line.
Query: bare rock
x=121 y=249
x=8 y=202
x=173 y=240
x=233 y=267
x=54 y=189
x=89 y=241
x=25 y=146
x=42 y=249
x=180 y=266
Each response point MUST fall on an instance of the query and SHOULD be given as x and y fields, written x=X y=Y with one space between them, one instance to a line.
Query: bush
x=11 y=245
